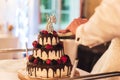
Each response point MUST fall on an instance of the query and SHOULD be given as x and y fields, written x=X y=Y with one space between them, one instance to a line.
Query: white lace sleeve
x=103 y=26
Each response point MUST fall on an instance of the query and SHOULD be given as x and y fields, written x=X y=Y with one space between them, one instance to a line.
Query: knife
x=93 y=76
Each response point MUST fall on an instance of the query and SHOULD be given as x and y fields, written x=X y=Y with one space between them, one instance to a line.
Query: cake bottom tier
x=23 y=75
x=48 y=71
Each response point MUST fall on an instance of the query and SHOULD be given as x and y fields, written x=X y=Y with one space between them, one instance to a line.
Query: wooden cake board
x=22 y=75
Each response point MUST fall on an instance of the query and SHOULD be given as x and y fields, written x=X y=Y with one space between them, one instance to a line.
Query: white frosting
x=51 y=55
x=48 y=41
x=43 y=73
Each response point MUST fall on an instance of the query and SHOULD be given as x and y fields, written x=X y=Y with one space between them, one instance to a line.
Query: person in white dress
x=103 y=26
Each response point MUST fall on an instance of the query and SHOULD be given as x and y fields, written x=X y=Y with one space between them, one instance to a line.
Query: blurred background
x=28 y=17
x=21 y=20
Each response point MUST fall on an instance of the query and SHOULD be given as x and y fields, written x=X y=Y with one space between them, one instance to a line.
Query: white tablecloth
x=9 y=69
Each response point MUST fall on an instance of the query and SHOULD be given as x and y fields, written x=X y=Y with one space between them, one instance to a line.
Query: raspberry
x=48 y=61
x=44 y=32
x=63 y=59
x=31 y=58
x=59 y=61
x=48 y=46
x=54 y=33
x=68 y=58
x=35 y=43
x=35 y=61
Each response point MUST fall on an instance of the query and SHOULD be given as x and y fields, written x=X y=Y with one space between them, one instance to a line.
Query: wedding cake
x=48 y=59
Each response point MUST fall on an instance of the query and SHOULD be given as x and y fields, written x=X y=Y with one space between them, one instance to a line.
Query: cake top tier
x=50 y=21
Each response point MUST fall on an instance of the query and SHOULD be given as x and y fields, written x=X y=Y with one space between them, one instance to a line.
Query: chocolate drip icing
x=43 y=37
x=55 y=48
x=32 y=67
x=35 y=72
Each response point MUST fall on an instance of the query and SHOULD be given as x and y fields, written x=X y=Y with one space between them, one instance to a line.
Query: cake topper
x=50 y=20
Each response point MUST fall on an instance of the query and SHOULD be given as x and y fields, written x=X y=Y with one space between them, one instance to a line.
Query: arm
x=103 y=26
x=75 y=23
x=71 y=29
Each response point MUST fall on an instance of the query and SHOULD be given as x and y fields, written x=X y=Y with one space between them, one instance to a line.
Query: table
x=8 y=41
x=9 y=69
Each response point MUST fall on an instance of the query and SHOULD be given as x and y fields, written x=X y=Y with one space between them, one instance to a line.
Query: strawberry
x=63 y=59
x=48 y=61
x=35 y=43
x=48 y=46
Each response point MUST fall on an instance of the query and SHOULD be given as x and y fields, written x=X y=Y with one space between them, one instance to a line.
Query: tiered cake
x=48 y=59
